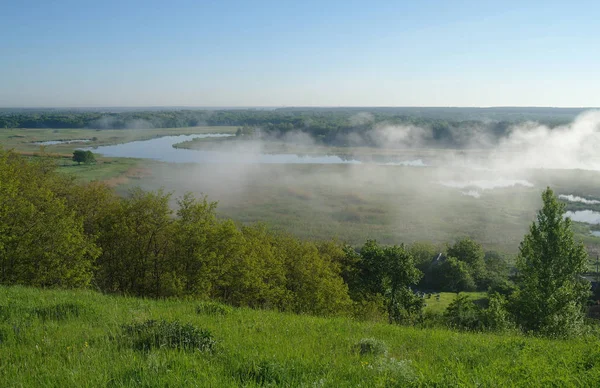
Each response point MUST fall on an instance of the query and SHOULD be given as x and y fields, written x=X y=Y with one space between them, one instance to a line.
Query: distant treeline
x=447 y=127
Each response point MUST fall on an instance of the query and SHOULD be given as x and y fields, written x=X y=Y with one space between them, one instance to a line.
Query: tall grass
x=82 y=345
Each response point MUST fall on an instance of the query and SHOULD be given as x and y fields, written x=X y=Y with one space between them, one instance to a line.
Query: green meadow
x=83 y=338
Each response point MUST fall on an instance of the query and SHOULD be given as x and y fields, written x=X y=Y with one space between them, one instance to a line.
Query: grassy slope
x=267 y=347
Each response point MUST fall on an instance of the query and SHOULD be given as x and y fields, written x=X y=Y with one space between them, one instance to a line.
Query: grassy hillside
x=76 y=338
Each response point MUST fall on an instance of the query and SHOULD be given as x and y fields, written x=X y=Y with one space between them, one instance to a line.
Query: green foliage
x=423 y=254
x=462 y=313
x=58 y=233
x=456 y=276
x=496 y=316
x=85 y=157
x=551 y=294
x=151 y=334
x=497 y=271
x=390 y=271
x=135 y=242
x=471 y=254
x=42 y=241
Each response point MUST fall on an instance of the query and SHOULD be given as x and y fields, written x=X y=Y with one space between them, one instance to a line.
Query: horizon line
x=296 y=106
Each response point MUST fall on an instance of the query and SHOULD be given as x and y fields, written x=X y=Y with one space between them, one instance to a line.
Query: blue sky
x=309 y=53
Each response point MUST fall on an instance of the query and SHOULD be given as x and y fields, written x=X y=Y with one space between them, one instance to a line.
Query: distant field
x=76 y=338
x=114 y=171
x=23 y=139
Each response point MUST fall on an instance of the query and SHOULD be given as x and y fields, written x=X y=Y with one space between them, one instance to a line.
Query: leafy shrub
x=431 y=319
x=212 y=308
x=153 y=334
x=462 y=314
x=496 y=317
x=58 y=312
x=371 y=346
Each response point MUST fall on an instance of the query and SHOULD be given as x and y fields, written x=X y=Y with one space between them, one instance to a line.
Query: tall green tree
x=551 y=293
x=390 y=271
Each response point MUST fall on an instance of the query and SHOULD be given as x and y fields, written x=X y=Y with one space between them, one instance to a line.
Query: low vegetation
x=262 y=348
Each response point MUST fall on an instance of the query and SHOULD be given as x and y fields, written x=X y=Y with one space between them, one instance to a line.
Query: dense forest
x=57 y=233
x=445 y=127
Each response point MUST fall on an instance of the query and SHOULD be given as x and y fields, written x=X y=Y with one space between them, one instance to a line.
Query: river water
x=585 y=216
x=162 y=149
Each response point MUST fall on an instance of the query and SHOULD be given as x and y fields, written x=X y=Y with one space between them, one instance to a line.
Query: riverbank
x=27 y=139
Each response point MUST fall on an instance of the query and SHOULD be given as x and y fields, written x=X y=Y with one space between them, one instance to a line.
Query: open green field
x=75 y=338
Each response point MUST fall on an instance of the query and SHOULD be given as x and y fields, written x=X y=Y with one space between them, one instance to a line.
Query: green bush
x=153 y=334
x=496 y=317
x=462 y=314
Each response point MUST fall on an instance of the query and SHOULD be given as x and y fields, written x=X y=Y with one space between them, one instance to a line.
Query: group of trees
x=56 y=233
x=463 y=266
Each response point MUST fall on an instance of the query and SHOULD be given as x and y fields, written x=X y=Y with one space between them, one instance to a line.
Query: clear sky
x=303 y=53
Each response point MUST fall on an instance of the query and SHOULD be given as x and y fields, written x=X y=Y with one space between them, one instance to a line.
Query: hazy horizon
x=266 y=107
